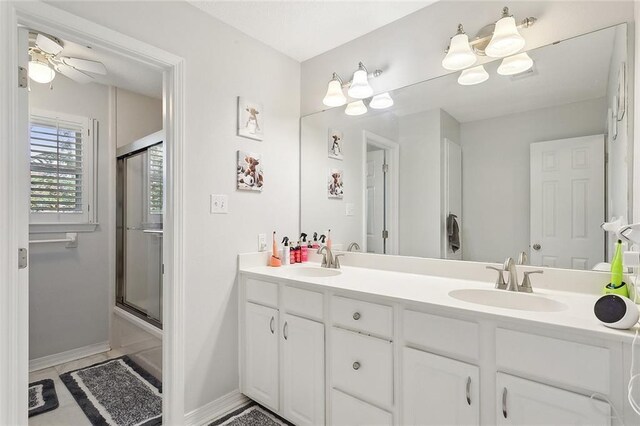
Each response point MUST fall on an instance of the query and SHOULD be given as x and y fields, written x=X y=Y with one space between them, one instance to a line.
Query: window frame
x=70 y=222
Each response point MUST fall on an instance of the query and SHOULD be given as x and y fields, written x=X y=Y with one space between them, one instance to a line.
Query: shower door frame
x=14 y=303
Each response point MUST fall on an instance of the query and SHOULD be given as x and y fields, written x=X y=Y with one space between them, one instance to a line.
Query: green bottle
x=617 y=286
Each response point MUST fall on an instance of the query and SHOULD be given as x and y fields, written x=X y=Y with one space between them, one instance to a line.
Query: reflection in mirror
x=532 y=162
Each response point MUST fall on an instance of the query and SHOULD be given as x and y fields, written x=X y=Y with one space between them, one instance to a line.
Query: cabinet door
x=349 y=411
x=524 y=402
x=261 y=355
x=438 y=390
x=303 y=370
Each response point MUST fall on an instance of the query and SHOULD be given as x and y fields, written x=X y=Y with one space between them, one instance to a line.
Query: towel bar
x=71 y=240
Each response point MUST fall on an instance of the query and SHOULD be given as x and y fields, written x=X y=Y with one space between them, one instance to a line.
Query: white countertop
x=433 y=291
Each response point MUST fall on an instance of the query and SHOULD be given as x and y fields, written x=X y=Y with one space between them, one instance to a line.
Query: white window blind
x=61 y=169
x=155 y=159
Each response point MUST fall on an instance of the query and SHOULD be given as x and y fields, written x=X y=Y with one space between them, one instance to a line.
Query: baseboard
x=216 y=409
x=68 y=356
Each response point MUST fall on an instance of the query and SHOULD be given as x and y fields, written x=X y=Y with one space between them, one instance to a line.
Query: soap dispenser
x=304 y=249
x=286 y=255
x=315 y=245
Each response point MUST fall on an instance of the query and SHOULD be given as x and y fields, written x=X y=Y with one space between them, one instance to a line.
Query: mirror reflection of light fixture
x=506 y=39
x=381 y=101
x=40 y=70
x=471 y=76
x=334 y=97
x=515 y=64
x=460 y=55
x=356 y=108
x=360 y=87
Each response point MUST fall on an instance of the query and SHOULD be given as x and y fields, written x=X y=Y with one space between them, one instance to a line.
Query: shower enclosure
x=140 y=182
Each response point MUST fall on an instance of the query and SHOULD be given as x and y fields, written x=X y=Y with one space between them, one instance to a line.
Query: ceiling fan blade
x=85 y=65
x=74 y=74
x=48 y=45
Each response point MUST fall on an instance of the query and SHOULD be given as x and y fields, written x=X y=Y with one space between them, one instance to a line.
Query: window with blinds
x=61 y=168
x=155 y=159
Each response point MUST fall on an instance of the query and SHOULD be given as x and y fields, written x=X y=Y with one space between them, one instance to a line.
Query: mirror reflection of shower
x=139 y=238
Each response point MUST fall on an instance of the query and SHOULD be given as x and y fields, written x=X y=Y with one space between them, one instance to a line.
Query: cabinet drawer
x=349 y=411
x=548 y=359
x=362 y=316
x=303 y=302
x=261 y=292
x=362 y=365
x=443 y=334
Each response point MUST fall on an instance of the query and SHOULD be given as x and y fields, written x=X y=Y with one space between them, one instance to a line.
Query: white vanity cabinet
x=438 y=390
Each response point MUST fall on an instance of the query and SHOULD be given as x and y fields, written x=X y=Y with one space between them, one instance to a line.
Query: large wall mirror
x=531 y=163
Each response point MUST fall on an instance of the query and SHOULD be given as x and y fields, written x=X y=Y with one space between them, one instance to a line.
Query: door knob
x=537 y=246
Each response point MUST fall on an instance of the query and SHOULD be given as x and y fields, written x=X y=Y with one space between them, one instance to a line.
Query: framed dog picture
x=335 y=186
x=250 y=175
x=250 y=119
x=334 y=144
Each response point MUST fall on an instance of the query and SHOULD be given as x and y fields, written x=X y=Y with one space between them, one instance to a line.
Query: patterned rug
x=42 y=397
x=117 y=392
x=251 y=415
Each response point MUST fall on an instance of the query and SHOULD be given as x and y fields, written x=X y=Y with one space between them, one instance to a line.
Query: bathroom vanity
x=364 y=346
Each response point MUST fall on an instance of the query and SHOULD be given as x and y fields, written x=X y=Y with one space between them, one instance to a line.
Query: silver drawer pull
x=504 y=402
x=271 y=325
x=469 y=390
x=356 y=316
x=285 y=330
x=356 y=365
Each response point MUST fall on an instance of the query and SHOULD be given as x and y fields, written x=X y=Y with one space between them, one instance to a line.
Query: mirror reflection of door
x=567 y=202
x=375 y=199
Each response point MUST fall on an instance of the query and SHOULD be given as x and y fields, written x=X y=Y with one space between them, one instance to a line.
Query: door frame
x=392 y=158
x=14 y=292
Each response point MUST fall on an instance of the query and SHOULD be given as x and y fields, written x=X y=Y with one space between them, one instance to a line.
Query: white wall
x=69 y=288
x=411 y=49
x=496 y=217
x=136 y=116
x=221 y=63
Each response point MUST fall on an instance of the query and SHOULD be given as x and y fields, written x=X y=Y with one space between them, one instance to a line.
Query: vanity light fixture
x=381 y=101
x=39 y=69
x=506 y=39
x=459 y=55
x=359 y=88
x=334 y=97
x=515 y=64
x=475 y=75
x=356 y=108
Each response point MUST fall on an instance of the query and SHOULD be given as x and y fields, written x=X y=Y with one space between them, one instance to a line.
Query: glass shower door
x=140 y=233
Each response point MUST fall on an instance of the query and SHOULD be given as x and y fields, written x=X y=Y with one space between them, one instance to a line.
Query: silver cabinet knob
x=356 y=316
x=356 y=365
x=537 y=246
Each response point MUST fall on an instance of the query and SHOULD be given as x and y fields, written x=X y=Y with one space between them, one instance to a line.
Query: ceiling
x=305 y=28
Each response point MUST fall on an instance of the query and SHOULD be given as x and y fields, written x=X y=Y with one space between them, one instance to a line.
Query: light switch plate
x=262 y=242
x=349 y=209
x=219 y=204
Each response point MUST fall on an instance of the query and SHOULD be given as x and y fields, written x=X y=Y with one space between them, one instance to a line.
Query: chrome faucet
x=329 y=260
x=511 y=284
x=353 y=246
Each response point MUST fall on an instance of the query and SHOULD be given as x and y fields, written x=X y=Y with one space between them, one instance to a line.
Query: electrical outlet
x=219 y=204
x=262 y=242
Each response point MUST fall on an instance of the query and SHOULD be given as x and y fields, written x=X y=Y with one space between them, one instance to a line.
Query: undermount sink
x=508 y=300
x=315 y=272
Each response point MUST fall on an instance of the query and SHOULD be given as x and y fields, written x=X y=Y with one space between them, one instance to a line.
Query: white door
x=567 y=202
x=261 y=355
x=523 y=402
x=303 y=370
x=438 y=390
x=375 y=201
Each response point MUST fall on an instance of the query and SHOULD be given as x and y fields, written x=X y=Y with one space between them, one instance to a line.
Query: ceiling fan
x=45 y=59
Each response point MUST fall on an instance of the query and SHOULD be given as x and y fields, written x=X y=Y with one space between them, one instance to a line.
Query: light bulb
x=506 y=39
x=360 y=87
x=460 y=55
x=381 y=101
x=355 y=108
x=334 y=97
x=515 y=64
x=471 y=76
x=41 y=72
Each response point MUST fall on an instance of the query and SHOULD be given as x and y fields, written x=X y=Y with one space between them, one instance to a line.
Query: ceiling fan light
x=334 y=97
x=41 y=72
x=506 y=39
x=471 y=76
x=515 y=64
x=356 y=108
x=360 y=87
x=381 y=101
x=460 y=55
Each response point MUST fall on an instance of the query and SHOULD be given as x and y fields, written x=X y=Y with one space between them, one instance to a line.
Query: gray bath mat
x=251 y=415
x=42 y=397
x=117 y=392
